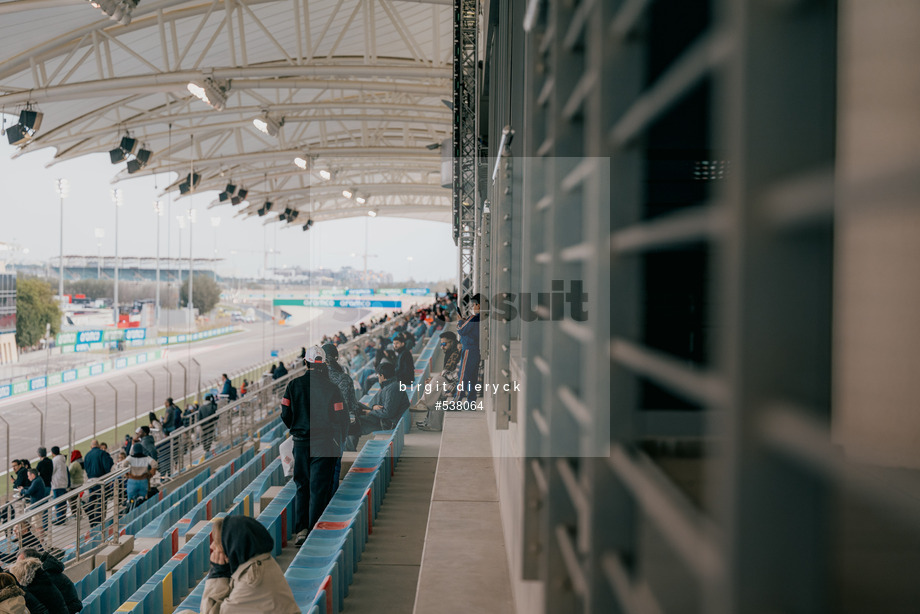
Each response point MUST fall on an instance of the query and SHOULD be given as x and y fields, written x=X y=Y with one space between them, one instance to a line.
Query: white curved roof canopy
x=358 y=85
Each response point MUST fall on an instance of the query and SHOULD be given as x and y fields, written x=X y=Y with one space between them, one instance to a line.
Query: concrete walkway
x=464 y=566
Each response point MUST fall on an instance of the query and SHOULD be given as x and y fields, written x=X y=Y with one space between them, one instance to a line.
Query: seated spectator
x=387 y=406
x=357 y=360
x=280 y=371
x=12 y=598
x=442 y=385
x=33 y=580
x=244 y=578
x=52 y=565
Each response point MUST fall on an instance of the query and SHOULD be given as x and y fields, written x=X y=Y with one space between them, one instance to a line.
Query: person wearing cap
x=386 y=407
x=342 y=381
x=314 y=411
x=441 y=384
x=405 y=365
x=468 y=329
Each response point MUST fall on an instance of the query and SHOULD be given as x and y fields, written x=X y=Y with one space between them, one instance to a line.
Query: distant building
x=130 y=269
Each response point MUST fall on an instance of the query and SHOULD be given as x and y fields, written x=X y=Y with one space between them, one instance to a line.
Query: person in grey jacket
x=387 y=406
x=346 y=385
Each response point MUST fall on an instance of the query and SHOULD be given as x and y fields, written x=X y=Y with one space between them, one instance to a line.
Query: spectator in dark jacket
x=142 y=436
x=405 y=365
x=172 y=417
x=33 y=579
x=36 y=491
x=45 y=466
x=387 y=406
x=97 y=463
x=54 y=569
x=280 y=371
x=20 y=474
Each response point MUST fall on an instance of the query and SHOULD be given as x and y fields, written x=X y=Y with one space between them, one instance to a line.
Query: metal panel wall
x=678 y=159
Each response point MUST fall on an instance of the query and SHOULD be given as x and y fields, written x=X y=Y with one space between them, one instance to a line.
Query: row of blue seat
x=225 y=493
x=119 y=587
x=170 y=516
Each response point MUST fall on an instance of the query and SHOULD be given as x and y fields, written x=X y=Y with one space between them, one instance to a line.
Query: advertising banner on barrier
x=327 y=302
x=417 y=291
x=359 y=292
x=72 y=375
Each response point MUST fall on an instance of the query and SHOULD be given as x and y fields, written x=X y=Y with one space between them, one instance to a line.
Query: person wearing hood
x=75 y=469
x=34 y=581
x=12 y=598
x=244 y=578
x=54 y=568
x=141 y=467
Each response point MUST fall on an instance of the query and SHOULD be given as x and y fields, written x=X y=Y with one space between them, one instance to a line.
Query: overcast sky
x=29 y=210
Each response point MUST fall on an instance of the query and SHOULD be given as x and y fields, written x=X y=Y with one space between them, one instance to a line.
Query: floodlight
x=17 y=135
x=301 y=163
x=228 y=192
x=347 y=193
x=268 y=124
x=325 y=174
x=372 y=213
x=116 y=155
x=128 y=144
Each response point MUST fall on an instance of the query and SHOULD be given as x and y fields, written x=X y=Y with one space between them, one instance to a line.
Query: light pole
x=215 y=222
x=409 y=258
x=116 y=198
x=158 y=210
x=63 y=189
x=192 y=218
x=181 y=220
x=100 y=234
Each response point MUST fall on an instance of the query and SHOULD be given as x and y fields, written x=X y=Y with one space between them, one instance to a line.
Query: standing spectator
x=313 y=410
x=173 y=417
x=53 y=566
x=142 y=436
x=156 y=427
x=33 y=494
x=33 y=579
x=244 y=388
x=405 y=365
x=12 y=598
x=44 y=466
x=141 y=467
x=59 y=480
x=77 y=474
x=468 y=329
x=207 y=422
x=346 y=386
x=97 y=464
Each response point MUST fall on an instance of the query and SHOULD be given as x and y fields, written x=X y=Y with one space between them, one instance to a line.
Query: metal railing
x=84 y=518
x=90 y=515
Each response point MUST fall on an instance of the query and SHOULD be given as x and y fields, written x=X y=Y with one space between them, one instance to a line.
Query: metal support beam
x=465 y=146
